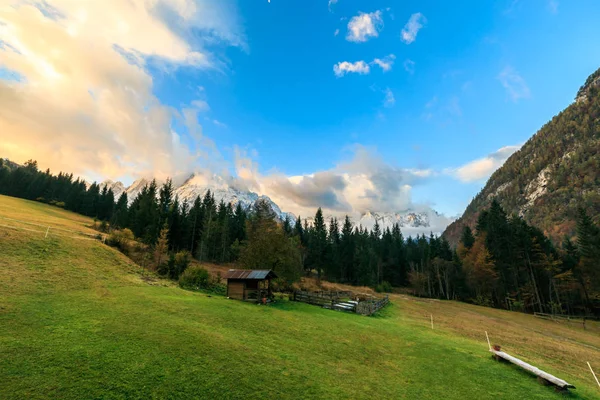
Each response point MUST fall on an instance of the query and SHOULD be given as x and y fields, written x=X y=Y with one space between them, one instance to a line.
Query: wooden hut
x=249 y=284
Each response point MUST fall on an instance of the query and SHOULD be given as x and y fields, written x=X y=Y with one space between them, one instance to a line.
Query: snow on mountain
x=135 y=188
x=198 y=186
x=411 y=222
x=117 y=187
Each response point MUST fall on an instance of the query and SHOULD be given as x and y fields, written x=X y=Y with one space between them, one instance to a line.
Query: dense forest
x=552 y=175
x=504 y=262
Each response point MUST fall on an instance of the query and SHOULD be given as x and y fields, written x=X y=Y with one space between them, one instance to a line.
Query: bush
x=384 y=287
x=195 y=278
x=120 y=239
x=198 y=278
x=60 y=204
x=103 y=226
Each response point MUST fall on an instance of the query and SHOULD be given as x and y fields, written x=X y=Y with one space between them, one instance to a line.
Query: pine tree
x=332 y=268
x=298 y=230
x=317 y=244
x=120 y=215
x=161 y=248
x=346 y=251
x=287 y=225
x=165 y=200
x=467 y=238
x=195 y=225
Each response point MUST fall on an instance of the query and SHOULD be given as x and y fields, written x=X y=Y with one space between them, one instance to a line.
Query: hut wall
x=235 y=289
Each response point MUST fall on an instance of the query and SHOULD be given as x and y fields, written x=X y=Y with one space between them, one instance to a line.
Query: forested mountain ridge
x=555 y=172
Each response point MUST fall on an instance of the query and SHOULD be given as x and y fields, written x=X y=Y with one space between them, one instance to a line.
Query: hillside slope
x=555 y=171
x=79 y=320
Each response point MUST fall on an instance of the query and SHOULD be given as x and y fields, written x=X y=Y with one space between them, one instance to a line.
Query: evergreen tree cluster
x=205 y=229
x=208 y=230
x=511 y=264
x=352 y=254
x=28 y=182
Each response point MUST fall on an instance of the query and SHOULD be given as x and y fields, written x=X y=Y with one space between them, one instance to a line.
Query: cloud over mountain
x=483 y=167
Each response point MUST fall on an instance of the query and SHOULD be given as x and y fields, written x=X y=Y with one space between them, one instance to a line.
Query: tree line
x=505 y=263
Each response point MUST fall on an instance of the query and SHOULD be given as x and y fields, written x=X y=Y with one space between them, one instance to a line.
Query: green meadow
x=79 y=320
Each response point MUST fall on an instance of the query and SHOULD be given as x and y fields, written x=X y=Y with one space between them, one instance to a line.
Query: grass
x=78 y=320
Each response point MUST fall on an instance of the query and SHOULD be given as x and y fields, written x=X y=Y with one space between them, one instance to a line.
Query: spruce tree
x=317 y=244
x=467 y=238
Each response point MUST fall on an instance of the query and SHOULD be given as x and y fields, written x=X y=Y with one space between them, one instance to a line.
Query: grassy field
x=79 y=320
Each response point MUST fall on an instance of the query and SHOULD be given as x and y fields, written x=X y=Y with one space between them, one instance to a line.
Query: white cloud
x=389 y=100
x=385 y=63
x=331 y=2
x=219 y=123
x=201 y=105
x=86 y=102
x=412 y=27
x=482 y=168
x=364 y=26
x=337 y=32
x=361 y=67
x=515 y=85
x=363 y=183
x=344 y=67
x=409 y=66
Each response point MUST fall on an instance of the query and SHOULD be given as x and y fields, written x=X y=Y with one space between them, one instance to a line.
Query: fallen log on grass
x=543 y=376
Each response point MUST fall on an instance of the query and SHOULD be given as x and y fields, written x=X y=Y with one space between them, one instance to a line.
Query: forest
x=504 y=263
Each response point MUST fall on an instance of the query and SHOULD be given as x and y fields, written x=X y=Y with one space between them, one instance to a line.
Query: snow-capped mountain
x=198 y=186
x=411 y=222
x=117 y=187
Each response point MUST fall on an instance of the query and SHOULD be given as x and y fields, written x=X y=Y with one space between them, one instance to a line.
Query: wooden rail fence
x=566 y=318
x=341 y=301
x=369 y=307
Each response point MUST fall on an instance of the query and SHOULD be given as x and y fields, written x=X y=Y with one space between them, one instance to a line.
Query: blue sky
x=457 y=94
x=282 y=98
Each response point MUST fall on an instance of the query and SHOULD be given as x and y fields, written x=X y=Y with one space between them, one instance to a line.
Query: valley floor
x=79 y=320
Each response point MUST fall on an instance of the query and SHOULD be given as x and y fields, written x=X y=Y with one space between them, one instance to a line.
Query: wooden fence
x=371 y=306
x=566 y=318
x=341 y=301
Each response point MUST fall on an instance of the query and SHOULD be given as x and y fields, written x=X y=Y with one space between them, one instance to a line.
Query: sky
x=346 y=104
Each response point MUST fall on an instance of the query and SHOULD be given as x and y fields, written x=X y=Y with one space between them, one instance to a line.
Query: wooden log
x=534 y=370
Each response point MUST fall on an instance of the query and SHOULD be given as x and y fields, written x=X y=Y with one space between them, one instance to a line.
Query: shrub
x=182 y=261
x=120 y=239
x=195 y=278
x=198 y=278
x=103 y=226
x=384 y=287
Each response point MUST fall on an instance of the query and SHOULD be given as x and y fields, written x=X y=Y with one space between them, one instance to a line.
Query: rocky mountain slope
x=554 y=173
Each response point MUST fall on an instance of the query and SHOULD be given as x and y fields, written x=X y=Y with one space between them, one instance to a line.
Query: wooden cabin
x=249 y=284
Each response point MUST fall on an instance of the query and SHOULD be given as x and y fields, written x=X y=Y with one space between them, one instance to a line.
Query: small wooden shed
x=249 y=284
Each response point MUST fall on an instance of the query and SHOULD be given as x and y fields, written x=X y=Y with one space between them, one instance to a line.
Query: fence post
x=596 y=378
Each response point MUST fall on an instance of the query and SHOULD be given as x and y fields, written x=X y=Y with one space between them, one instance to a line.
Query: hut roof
x=258 y=274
